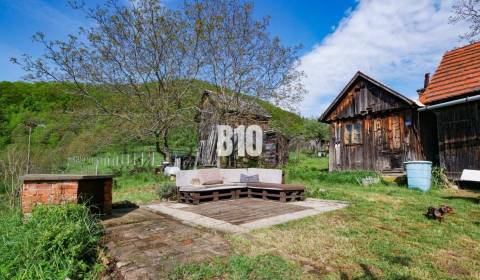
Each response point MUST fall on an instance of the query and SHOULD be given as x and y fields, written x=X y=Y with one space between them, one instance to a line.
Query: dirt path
x=148 y=245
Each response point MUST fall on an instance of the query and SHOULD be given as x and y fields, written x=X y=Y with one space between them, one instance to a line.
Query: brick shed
x=93 y=190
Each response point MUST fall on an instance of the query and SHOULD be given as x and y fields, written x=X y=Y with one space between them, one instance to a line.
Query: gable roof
x=458 y=74
x=357 y=76
x=229 y=103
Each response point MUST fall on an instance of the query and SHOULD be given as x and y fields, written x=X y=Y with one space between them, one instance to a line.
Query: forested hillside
x=65 y=125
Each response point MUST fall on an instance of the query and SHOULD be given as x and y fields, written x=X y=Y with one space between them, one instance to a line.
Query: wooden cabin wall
x=365 y=98
x=387 y=140
x=275 y=148
x=459 y=138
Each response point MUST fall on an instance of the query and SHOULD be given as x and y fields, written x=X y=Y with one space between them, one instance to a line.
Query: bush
x=167 y=190
x=55 y=242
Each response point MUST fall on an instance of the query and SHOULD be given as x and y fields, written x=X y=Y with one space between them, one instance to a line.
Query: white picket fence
x=97 y=165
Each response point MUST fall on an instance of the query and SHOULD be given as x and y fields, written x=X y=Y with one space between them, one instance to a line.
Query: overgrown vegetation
x=55 y=242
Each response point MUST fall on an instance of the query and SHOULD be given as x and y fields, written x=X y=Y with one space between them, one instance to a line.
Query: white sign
x=249 y=140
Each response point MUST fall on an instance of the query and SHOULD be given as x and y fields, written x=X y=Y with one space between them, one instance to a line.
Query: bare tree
x=240 y=56
x=468 y=11
x=136 y=63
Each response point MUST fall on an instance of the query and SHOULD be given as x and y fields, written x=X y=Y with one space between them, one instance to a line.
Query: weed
x=55 y=242
x=167 y=190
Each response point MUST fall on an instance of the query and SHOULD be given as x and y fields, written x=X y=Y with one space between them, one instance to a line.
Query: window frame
x=353 y=133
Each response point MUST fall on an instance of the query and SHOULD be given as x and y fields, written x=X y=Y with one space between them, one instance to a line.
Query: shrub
x=167 y=190
x=55 y=242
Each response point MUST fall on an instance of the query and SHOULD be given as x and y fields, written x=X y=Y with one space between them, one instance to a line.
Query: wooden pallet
x=197 y=197
x=280 y=195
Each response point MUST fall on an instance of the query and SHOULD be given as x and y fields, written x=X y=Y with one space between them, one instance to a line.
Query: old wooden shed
x=233 y=110
x=451 y=116
x=373 y=127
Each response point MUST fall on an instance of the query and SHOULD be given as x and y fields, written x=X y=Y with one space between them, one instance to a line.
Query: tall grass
x=55 y=242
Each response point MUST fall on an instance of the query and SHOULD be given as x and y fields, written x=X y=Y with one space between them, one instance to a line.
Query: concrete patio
x=243 y=215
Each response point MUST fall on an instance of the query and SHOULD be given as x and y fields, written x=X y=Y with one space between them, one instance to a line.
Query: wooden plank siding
x=459 y=137
x=384 y=124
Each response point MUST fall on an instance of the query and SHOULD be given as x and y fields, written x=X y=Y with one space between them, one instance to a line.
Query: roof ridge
x=463 y=47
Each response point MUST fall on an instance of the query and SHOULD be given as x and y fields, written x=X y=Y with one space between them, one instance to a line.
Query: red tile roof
x=457 y=75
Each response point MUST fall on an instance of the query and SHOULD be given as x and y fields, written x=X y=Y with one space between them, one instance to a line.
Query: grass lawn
x=138 y=188
x=383 y=234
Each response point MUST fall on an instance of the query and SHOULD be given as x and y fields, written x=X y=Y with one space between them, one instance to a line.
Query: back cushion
x=209 y=175
x=273 y=176
x=233 y=175
x=184 y=177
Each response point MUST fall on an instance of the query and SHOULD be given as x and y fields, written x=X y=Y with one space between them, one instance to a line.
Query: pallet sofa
x=212 y=184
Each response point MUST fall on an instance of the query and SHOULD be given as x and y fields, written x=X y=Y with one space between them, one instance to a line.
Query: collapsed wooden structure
x=373 y=127
x=233 y=110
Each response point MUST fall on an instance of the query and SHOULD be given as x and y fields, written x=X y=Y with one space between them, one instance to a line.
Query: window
x=352 y=134
x=357 y=133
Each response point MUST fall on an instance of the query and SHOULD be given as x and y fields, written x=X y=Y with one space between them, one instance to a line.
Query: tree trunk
x=164 y=150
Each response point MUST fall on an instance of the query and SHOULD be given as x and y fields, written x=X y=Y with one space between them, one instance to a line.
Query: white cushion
x=232 y=175
x=470 y=175
x=209 y=175
x=273 y=176
x=184 y=177
x=213 y=187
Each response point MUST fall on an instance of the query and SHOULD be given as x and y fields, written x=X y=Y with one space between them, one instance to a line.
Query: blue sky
x=393 y=41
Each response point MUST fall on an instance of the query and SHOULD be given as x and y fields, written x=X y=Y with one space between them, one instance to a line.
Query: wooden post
x=196 y=198
x=141 y=161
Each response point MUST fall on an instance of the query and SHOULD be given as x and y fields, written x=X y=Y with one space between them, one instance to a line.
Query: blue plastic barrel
x=419 y=174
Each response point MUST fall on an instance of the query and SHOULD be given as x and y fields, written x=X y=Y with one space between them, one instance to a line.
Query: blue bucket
x=419 y=174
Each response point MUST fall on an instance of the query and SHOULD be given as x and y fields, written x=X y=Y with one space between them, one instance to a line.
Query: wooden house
x=451 y=116
x=373 y=127
x=232 y=110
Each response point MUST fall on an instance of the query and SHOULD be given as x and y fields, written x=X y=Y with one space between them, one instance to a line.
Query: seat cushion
x=213 y=182
x=267 y=175
x=213 y=187
x=231 y=175
x=280 y=187
x=185 y=177
x=209 y=175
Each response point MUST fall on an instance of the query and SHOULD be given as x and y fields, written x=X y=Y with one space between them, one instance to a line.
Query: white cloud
x=393 y=41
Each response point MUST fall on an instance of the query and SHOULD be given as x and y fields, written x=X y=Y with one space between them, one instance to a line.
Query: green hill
x=65 y=125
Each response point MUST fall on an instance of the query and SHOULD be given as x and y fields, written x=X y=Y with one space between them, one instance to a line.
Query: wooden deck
x=243 y=210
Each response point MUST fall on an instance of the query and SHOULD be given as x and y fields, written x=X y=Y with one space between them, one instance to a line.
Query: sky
x=393 y=41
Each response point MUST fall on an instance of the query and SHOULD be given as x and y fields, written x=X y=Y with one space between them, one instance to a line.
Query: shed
x=373 y=127
x=452 y=100
x=235 y=110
